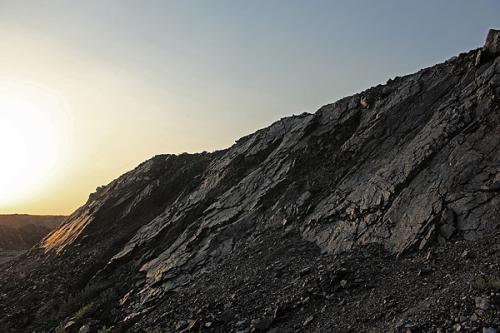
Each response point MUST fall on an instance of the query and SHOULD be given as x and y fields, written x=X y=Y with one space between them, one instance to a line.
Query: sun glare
x=30 y=143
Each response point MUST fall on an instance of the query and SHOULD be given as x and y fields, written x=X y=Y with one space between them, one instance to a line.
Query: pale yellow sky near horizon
x=104 y=116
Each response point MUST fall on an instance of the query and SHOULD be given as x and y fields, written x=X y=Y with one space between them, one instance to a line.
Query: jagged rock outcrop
x=492 y=44
x=491 y=47
x=400 y=167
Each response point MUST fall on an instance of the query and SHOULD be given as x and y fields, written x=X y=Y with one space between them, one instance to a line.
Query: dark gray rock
x=261 y=325
x=447 y=231
x=492 y=43
x=85 y=329
x=491 y=47
x=482 y=303
x=70 y=326
x=308 y=320
x=489 y=330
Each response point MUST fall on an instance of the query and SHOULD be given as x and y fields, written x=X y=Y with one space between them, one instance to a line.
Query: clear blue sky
x=144 y=77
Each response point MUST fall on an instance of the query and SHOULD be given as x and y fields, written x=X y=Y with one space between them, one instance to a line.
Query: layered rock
x=491 y=47
x=492 y=44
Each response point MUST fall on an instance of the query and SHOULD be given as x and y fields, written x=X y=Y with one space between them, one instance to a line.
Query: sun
x=29 y=142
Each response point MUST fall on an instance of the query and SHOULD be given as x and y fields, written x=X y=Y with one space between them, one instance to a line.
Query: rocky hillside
x=21 y=232
x=377 y=213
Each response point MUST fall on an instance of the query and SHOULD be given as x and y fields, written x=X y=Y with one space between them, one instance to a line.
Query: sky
x=89 y=89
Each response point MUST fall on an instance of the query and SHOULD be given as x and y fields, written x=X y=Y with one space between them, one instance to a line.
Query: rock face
x=492 y=44
x=491 y=47
x=218 y=236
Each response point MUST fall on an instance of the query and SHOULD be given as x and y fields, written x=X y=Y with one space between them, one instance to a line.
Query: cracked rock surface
x=378 y=213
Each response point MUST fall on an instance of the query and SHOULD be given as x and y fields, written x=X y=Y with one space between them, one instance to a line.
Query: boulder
x=492 y=44
x=491 y=47
x=365 y=102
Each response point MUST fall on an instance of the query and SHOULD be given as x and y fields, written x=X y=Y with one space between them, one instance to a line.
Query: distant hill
x=21 y=231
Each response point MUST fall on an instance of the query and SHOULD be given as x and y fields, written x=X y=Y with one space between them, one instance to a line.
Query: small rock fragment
x=260 y=325
x=305 y=271
x=365 y=102
x=482 y=303
x=191 y=326
x=181 y=324
x=468 y=255
x=479 y=58
x=308 y=320
x=70 y=325
x=489 y=330
x=227 y=316
x=84 y=329
x=241 y=323
x=447 y=230
x=424 y=271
